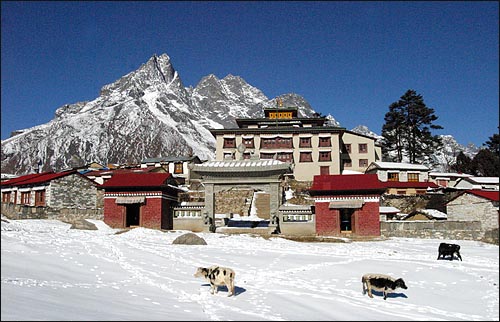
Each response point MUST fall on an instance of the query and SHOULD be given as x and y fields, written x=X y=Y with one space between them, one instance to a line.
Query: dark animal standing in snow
x=381 y=282
x=217 y=276
x=448 y=250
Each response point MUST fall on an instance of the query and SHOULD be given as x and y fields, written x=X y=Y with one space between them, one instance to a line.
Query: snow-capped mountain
x=150 y=113
x=144 y=114
x=363 y=129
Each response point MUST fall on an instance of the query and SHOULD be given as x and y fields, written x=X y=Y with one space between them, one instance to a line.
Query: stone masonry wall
x=445 y=229
x=69 y=215
x=470 y=207
x=72 y=191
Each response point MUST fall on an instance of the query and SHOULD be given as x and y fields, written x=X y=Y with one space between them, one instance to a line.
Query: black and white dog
x=381 y=282
x=217 y=276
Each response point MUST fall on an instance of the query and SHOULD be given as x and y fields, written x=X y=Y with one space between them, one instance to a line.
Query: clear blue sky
x=348 y=59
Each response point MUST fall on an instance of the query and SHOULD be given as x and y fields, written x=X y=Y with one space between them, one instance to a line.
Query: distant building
x=39 y=194
x=481 y=183
x=471 y=205
x=179 y=167
x=402 y=178
x=446 y=179
x=306 y=143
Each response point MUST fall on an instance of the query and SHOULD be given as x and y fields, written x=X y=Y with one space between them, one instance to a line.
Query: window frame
x=25 y=197
x=325 y=142
x=362 y=148
x=302 y=157
x=178 y=168
x=322 y=156
x=306 y=143
x=229 y=143
x=40 y=197
x=365 y=161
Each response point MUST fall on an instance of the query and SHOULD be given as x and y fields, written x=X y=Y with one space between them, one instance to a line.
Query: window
x=412 y=177
x=285 y=157
x=325 y=156
x=393 y=176
x=280 y=115
x=277 y=143
x=282 y=156
x=347 y=163
x=229 y=142
x=324 y=170
x=228 y=155
x=363 y=163
x=347 y=148
x=363 y=148
x=178 y=168
x=306 y=157
x=401 y=192
x=40 y=198
x=25 y=198
x=6 y=197
x=246 y=155
x=421 y=192
x=305 y=143
x=248 y=143
x=325 y=142
x=442 y=183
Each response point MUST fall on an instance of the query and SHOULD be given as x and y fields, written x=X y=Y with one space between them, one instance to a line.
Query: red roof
x=399 y=184
x=142 y=179
x=491 y=195
x=116 y=171
x=347 y=182
x=36 y=178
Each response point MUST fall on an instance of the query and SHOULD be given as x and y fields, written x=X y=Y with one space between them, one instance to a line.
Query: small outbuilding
x=347 y=205
x=475 y=205
x=140 y=199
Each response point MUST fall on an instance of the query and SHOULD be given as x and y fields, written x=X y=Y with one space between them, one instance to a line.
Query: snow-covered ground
x=52 y=272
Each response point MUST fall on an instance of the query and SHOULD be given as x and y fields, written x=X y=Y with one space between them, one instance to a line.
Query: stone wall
x=236 y=201
x=407 y=204
x=72 y=191
x=69 y=215
x=471 y=207
x=443 y=229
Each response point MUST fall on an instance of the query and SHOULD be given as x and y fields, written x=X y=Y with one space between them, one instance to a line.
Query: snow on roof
x=388 y=210
x=430 y=213
x=351 y=172
x=399 y=166
x=449 y=175
x=484 y=179
x=241 y=163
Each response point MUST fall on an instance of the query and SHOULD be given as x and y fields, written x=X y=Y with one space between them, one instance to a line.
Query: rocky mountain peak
x=145 y=114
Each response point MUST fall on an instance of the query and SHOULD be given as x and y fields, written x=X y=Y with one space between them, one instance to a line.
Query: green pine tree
x=493 y=144
x=463 y=164
x=486 y=164
x=407 y=129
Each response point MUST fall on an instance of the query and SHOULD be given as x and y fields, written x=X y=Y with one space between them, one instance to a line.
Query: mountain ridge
x=145 y=113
